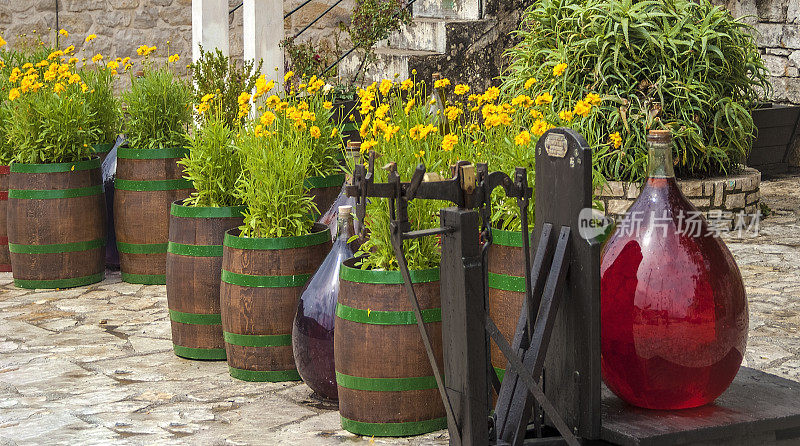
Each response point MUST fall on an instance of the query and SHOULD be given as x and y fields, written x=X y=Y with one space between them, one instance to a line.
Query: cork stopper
x=345 y=210
x=659 y=136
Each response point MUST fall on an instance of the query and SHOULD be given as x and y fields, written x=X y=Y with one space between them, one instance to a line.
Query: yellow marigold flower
x=202 y=107
x=63 y=32
x=473 y=98
x=615 y=139
x=453 y=113
x=49 y=75
x=442 y=83
x=327 y=105
x=425 y=131
x=529 y=83
x=409 y=106
x=334 y=132
x=27 y=66
x=207 y=97
x=385 y=86
x=366 y=146
x=84 y=87
x=69 y=49
x=592 y=98
x=461 y=89
x=113 y=65
x=288 y=76
x=151 y=49
x=3 y=43
x=72 y=60
x=390 y=131
x=539 y=127
x=315 y=86
x=380 y=113
x=267 y=118
x=415 y=131
x=315 y=132
x=128 y=66
x=491 y=94
x=174 y=58
x=565 y=115
x=406 y=84
x=449 y=141
x=420 y=154
x=14 y=93
x=522 y=138
x=125 y=61
x=244 y=98
x=90 y=37
x=544 y=98
x=364 y=126
x=582 y=108
x=54 y=55
x=97 y=58
x=273 y=101
x=142 y=50
x=41 y=63
x=58 y=87
x=523 y=100
x=558 y=70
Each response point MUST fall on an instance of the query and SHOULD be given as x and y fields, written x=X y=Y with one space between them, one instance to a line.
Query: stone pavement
x=94 y=365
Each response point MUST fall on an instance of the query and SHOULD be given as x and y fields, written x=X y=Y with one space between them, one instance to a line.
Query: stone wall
x=122 y=25
x=727 y=195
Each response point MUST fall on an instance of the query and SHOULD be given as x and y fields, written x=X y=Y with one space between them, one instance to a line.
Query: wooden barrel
x=194 y=265
x=102 y=150
x=324 y=190
x=56 y=224
x=506 y=288
x=5 y=259
x=385 y=382
x=262 y=279
x=148 y=181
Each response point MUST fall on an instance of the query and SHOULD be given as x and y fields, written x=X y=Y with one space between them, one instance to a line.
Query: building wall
x=123 y=25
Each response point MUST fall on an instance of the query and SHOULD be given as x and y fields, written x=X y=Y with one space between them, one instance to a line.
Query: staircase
x=453 y=37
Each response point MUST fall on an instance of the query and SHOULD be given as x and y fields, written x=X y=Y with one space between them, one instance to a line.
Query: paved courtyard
x=94 y=365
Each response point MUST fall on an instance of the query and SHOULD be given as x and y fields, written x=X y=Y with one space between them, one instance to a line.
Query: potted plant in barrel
x=105 y=105
x=267 y=261
x=149 y=178
x=56 y=207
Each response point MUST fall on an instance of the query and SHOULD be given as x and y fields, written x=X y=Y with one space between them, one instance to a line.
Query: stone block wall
x=727 y=195
x=123 y=25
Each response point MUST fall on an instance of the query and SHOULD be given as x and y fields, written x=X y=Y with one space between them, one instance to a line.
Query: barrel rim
x=68 y=282
x=92 y=163
x=207 y=354
x=318 y=182
x=152 y=154
x=321 y=236
x=403 y=429
x=152 y=185
x=178 y=209
x=103 y=147
x=350 y=273
x=504 y=237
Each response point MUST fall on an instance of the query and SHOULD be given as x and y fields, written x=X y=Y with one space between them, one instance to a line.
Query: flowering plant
x=159 y=106
x=105 y=105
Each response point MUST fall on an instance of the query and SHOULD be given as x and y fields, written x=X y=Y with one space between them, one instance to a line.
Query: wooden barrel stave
x=325 y=190
x=193 y=266
x=259 y=294
x=56 y=224
x=506 y=289
x=144 y=190
x=385 y=381
x=5 y=256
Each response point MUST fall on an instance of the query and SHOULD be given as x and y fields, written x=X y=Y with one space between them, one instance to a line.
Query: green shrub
x=215 y=73
x=213 y=164
x=679 y=64
x=159 y=110
x=105 y=106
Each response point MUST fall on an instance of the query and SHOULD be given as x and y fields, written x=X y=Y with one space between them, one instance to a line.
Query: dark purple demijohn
x=312 y=331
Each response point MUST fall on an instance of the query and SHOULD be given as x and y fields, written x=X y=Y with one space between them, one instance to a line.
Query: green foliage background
x=679 y=64
x=159 y=109
x=106 y=107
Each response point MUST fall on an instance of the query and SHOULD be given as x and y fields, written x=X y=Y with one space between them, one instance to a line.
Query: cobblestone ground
x=94 y=365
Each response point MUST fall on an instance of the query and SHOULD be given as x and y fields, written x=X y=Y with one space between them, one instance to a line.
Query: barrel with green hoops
x=194 y=265
x=385 y=381
x=147 y=182
x=324 y=190
x=262 y=279
x=506 y=288
x=56 y=224
x=5 y=256
x=102 y=150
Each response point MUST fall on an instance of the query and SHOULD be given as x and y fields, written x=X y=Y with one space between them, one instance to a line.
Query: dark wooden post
x=464 y=339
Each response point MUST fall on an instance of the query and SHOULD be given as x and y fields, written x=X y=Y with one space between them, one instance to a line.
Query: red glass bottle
x=673 y=309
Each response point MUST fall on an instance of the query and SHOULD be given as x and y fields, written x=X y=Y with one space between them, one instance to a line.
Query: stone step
x=392 y=63
x=424 y=34
x=447 y=9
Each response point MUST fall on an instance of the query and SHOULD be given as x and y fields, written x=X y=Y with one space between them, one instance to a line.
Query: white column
x=263 y=33
x=209 y=26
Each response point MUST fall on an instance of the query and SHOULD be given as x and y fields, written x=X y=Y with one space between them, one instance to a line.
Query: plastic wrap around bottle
x=109 y=172
x=312 y=331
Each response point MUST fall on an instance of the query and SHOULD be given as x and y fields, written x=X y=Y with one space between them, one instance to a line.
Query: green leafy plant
x=159 y=110
x=311 y=57
x=104 y=104
x=214 y=164
x=372 y=21
x=272 y=186
x=215 y=73
x=679 y=64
